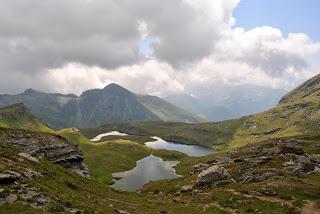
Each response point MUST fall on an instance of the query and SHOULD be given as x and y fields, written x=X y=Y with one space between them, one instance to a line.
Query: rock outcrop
x=34 y=146
x=211 y=176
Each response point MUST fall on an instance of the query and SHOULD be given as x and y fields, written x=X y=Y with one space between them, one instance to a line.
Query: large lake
x=190 y=150
x=148 y=169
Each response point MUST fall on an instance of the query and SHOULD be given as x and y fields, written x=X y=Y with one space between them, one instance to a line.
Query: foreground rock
x=186 y=189
x=8 y=177
x=211 y=176
x=291 y=148
x=34 y=146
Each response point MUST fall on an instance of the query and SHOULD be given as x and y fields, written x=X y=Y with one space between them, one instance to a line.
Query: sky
x=158 y=47
x=293 y=16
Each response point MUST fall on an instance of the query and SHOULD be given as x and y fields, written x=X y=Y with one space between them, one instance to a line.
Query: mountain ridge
x=95 y=107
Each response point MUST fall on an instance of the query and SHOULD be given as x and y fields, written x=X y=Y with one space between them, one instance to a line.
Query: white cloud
x=68 y=50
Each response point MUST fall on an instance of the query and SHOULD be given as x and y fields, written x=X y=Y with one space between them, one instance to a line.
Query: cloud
x=189 y=46
x=266 y=48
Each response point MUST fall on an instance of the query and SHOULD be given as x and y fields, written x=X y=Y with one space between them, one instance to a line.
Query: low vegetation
x=271 y=160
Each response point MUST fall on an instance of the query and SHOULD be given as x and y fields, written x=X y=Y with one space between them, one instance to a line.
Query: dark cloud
x=195 y=44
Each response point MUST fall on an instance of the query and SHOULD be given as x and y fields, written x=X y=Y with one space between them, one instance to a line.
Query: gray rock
x=289 y=163
x=315 y=158
x=211 y=175
x=255 y=175
x=186 y=188
x=29 y=195
x=9 y=177
x=11 y=198
x=41 y=199
x=302 y=165
x=29 y=173
x=122 y=211
x=28 y=157
x=291 y=148
x=35 y=146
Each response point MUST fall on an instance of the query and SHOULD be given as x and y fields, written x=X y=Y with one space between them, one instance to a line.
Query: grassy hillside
x=261 y=179
x=67 y=191
x=297 y=114
x=18 y=116
x=105 y=158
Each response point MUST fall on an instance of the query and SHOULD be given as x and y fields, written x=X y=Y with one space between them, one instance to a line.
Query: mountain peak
x=114 y=86
x=30 y=91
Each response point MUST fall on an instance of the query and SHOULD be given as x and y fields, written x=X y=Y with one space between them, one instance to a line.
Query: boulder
x=291 y=148
x=255 y=175
x=9 y=177
x=186 y=188
x=288 y=163
x=211 y=176
x=302 y=164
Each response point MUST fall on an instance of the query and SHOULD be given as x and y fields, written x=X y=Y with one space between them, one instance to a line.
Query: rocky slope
x=17 y=120
x=95 y=107
x=54 y=148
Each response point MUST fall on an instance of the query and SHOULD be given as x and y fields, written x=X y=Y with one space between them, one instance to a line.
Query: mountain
x=218 y=104
x=297 y=114
x=219 y=113
x=97 y=106
x=188 y=103
x=167 y=111
x=267 y=162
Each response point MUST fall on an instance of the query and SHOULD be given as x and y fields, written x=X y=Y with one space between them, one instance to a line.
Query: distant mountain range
x=219 y=104
x=98 y=106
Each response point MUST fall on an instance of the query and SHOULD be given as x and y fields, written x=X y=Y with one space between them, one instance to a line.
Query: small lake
x=113 y=133
x=190 y=150
x=148 y=169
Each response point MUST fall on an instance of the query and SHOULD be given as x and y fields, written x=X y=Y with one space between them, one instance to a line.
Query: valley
x=264 y=163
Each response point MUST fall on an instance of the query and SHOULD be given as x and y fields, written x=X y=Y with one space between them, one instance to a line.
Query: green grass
x=135 y=138
x=105 y=158
x=27 y=123
x=293 y=119
x=72 y=191
x=18 y=208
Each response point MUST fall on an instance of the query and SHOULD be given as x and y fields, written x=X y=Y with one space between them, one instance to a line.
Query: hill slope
x=308 y=90
x=19 y=116
x=95 y=107
x=277 y=175
x=297 y=114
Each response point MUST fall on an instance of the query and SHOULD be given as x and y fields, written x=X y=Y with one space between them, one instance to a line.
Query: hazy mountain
x=218 y=104
x=97 y=106
x=167 y=111
x=188 y=103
